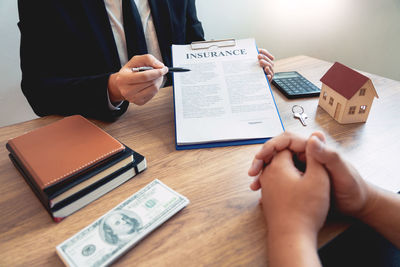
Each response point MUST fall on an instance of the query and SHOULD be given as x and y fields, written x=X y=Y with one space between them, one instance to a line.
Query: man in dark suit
x=77 y=56
x=69 y=52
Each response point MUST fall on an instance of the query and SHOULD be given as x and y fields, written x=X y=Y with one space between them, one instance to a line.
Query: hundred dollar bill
x=110 y=236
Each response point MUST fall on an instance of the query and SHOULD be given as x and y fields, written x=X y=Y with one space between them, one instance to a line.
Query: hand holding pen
x=135 y=85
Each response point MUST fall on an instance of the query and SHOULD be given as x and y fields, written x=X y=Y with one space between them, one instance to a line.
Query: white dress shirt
x=114 y=11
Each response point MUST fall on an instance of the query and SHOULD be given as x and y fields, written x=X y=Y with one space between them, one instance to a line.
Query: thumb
x=314 y=167
x=325 y=155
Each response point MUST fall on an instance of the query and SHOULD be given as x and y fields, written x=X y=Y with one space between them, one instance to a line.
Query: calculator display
x=293 y=85
x=286 y=75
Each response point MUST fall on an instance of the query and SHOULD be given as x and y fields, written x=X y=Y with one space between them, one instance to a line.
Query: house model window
x=362 y=91
x=331 y=101
x=325 y=95
x=352 y=110
x=362 y=109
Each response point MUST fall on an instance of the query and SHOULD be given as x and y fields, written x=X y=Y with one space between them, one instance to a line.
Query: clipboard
x=201 y=45
x=204 y=45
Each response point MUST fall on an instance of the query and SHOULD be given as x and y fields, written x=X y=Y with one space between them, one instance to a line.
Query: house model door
x=337 y=111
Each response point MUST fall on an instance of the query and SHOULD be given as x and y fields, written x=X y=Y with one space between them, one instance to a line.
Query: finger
x=255 y=185
x=281 y=167
x=264 y=57
x=302 y=155
x=327 y=156
x=266 y=53
x=314 y=169
x=264 y=63
x=319 y=135
x=269 y=70
x=133 y=78
x=144 y=96
x=284 y=161
x=286 y=140
x=144 y=60
x=130 y=90
x=256 y=166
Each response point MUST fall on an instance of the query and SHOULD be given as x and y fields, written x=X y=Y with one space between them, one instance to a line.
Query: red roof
x=344 y=80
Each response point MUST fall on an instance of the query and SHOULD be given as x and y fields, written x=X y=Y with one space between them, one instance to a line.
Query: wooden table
x=223 y=225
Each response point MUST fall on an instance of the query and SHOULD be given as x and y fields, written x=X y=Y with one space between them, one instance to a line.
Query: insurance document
x=225 y=96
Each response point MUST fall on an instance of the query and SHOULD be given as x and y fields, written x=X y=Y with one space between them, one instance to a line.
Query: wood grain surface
x=224 y=224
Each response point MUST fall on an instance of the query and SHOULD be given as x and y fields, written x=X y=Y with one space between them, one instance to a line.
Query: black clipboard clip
x=213 y=43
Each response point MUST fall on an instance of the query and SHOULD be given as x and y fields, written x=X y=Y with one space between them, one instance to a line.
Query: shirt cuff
x=112 y=106
x=164 y=81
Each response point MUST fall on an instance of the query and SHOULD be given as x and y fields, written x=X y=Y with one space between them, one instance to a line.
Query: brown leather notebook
x=62 y=149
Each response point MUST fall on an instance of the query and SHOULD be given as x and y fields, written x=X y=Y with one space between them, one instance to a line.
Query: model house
x=346 y=94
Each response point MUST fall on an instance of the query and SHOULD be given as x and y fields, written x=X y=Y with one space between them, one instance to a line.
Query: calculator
x=293 y=85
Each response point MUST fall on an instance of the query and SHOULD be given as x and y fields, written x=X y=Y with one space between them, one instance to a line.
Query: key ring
x=297 y=106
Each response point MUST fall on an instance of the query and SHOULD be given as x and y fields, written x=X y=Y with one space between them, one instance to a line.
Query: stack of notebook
x=72 y=162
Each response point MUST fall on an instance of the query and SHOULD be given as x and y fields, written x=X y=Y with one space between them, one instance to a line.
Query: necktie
x=134 y=35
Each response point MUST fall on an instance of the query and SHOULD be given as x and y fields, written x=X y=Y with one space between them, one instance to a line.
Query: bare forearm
x=292 y=249
x=382 y=213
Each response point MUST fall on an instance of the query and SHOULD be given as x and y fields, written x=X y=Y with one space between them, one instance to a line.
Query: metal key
x=298 y=112
x=302 y=117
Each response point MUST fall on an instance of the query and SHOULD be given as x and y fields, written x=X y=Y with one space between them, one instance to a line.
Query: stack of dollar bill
x=110 y=236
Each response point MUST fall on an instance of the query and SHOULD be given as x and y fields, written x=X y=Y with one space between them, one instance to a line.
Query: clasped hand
x=288 y=192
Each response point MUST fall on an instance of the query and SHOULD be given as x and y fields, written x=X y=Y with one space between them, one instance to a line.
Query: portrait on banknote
x=119 y=227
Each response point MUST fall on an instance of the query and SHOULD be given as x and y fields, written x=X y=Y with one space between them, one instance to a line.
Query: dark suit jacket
x=68 y=51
